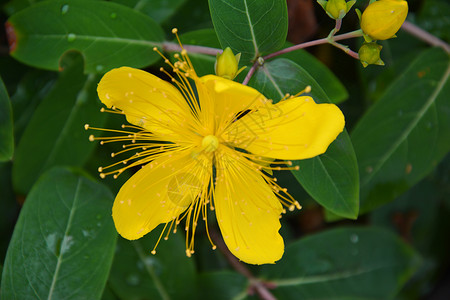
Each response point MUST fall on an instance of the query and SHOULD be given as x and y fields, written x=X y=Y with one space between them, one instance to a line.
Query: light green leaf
x=158 y=10
x=343 y=263
x=251 y=27
x=331 y=178
x=137 y=274
x=55 y=135
x=63 y=242
x=108 y=35
x=6 y=125
x=406 y=133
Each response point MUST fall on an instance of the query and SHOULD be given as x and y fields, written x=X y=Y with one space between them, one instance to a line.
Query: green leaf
x=329 y=83
x=222 y=285
x=6 y=125
x=406 y=133
x=63 y=242
x=158 y=10
x=251 y=27
x=55 y=135
x=343 y=263
x=31 y=89
x=137 y=274
x=107 y=34
x=331 y=178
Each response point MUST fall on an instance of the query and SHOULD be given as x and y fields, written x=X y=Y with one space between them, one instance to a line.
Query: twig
x=250 y=73
x=425 y=36
x=174 y=47
x=259 y=286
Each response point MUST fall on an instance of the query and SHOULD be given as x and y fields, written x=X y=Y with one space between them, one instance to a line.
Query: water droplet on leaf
x=64 y=9
x=71 y=37
x=99 y=68
x=133 y=279
x=113 y=15
x=354 y=238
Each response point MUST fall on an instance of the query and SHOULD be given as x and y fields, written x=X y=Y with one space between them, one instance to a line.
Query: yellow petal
x=158 y=193
x=296 y=128
x=146 y=100
x=247 y=211
x=229 y=98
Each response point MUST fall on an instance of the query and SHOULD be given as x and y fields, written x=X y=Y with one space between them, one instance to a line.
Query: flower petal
x=247 y=211
x=146 y=100
x=229 y=98
x=158 y=193
x=296 y=128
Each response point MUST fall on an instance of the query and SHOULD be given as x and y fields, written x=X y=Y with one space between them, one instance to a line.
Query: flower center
x=210 y=143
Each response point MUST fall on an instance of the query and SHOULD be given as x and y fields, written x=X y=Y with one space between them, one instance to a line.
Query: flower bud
x=369 y=54
x=227 y=64
x=383 y=18
x=336 y=9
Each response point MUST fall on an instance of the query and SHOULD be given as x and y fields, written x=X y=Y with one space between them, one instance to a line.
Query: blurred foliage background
x=376 y=206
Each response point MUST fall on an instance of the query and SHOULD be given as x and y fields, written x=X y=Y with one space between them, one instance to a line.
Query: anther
x=308 y=89
x=86 y=126
x=100 y=169
x=155 y=49
x=91 y=138
x=214 y=247
x=102 y=175
x=153 y=252
x=112 y=154
x=102 y=109
x=174 y=30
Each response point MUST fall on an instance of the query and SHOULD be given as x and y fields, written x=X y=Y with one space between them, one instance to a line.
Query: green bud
x=369 y=54
x=227 y=64
x=336 y=9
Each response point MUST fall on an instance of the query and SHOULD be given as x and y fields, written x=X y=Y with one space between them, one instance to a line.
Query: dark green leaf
x=251 y=27
x=329 y=83
x=137 y=274
x=108 y=35
x=223 y=285
x=192 y=15
x=31 y=89
x=331 y=178
x=64 y=240
x=344 y=263
x=55 y=135
x=158 y=10
x=6 y=125
x=203 y=64
x=406 y=133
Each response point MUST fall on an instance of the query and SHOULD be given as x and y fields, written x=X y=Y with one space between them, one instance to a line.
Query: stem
x=259 y=286
x=174 y=47
x=353 y=34
x=250 y=73
x=425 y=36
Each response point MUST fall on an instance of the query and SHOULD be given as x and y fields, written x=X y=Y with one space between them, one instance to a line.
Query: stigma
x=210 y=143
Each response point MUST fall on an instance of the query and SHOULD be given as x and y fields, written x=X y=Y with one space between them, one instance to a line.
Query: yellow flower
x=382 y=19
x=209 y=143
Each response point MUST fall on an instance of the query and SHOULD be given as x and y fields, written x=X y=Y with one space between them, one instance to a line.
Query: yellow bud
x=383 y=18
x=336 y=9
x=227 y=64
x=369 y=54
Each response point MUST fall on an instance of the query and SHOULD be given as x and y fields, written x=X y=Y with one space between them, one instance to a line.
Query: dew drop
x=133 y=279
x=400 y=113
x=354 y=238
x=64 y=9
x=113 y=15
x=99 y=68
x=71 y=37
x=429 y=125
